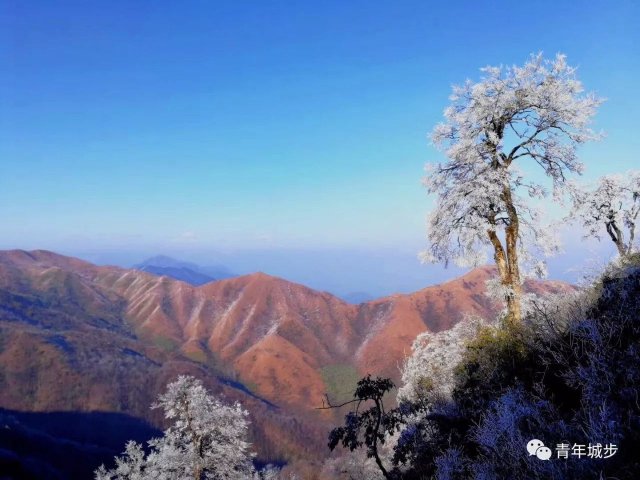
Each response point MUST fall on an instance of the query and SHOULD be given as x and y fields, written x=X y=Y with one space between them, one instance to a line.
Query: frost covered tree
x=207 y=440
x=513 y=117
x=131 y=466
x=613 y=206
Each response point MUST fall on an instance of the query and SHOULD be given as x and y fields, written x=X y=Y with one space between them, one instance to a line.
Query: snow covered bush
x=568 y=373
x=352 y=466
x=207 y=440
x=429 y=370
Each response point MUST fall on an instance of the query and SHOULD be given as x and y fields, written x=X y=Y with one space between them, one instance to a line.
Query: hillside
x=67 y=344
x=567 y=375
x=79 y=337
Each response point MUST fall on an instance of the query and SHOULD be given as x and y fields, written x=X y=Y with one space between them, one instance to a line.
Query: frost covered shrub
x=207 y=440
x=429 y=370
x=352 y=466
x=450 y=464
x=570 y=373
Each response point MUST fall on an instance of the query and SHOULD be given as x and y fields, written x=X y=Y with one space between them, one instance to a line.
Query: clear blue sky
x=237 y=124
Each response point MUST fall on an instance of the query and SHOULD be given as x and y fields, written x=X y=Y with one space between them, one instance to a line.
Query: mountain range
x=76 y=337
x=191 y=273
x=194 y=274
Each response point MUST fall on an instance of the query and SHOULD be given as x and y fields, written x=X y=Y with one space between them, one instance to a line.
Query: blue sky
x=183 y=127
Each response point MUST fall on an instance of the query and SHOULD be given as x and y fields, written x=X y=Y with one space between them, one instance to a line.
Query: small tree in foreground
x=536 y=114
x=371 y=427
x=207 y=440
x=613 y=206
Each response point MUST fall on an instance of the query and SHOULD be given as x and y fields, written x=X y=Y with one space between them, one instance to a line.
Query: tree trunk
x=507 y=260
x=513 y=281
x=514 y=306
x=616 y=236
x=375 y=442
x=507 y=276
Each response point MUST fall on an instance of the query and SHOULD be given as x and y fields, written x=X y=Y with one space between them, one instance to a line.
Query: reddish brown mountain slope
x=389 y=325
x=68 y=344
x=276 y=336
x=75 y=336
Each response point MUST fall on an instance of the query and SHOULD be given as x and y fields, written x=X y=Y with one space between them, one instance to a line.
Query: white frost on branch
x=429 y=370
x=131 y=466
x=611 y=206
x=207 y=440
x=530 y=301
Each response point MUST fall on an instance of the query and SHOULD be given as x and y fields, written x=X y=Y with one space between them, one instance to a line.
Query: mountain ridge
x=76 y=336
x=230 y=321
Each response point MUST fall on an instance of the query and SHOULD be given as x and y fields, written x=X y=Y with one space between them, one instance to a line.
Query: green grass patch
x=165 y=343
x=340 y=380
x=197 y=356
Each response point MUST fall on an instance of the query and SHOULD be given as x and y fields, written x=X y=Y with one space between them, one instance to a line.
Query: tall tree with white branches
x=613 y=206
x=512 y=119
x=207 y=440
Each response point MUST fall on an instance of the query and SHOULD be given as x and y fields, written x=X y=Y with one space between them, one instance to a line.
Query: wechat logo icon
x=536 y=447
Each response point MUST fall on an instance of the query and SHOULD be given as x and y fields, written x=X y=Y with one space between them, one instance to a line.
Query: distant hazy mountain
x=184 y=271
x=183 y=274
